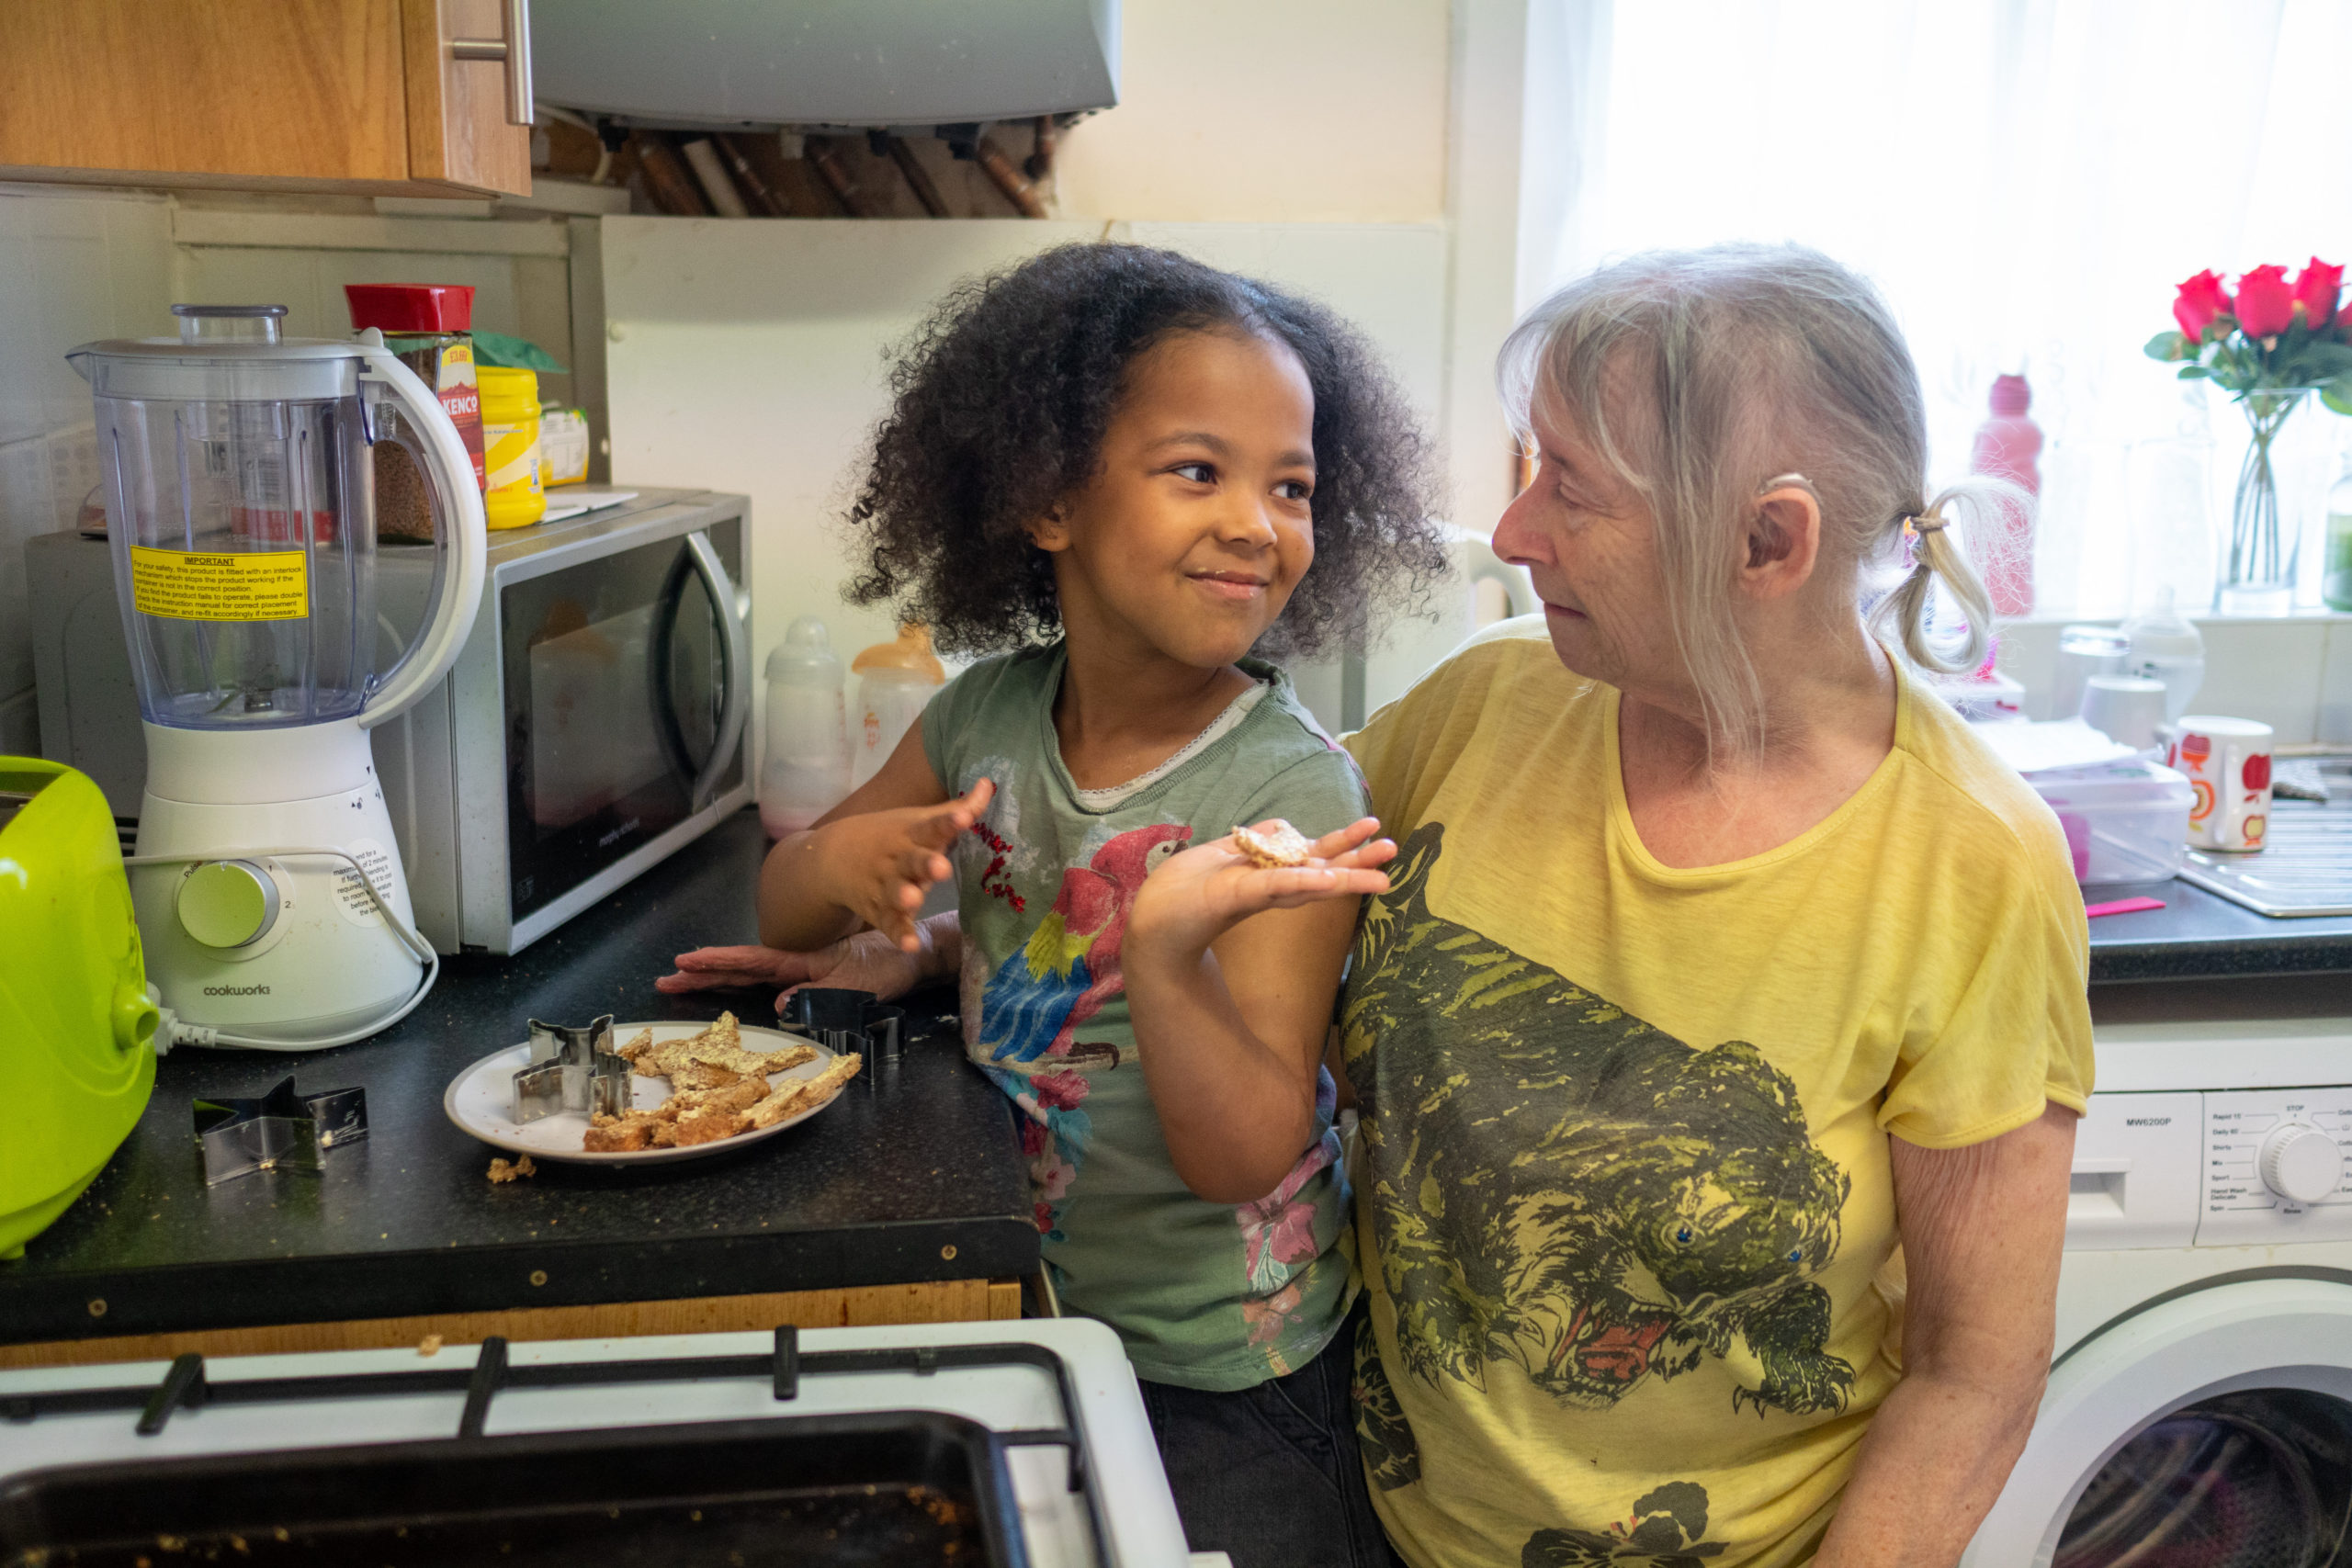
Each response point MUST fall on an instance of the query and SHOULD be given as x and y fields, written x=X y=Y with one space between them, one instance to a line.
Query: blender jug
x=238 y=476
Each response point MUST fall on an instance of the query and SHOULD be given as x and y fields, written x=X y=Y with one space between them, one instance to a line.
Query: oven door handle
x=734 y=667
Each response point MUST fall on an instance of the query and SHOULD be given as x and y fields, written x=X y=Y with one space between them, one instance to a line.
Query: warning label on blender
x=243 y=585
x=351 y=893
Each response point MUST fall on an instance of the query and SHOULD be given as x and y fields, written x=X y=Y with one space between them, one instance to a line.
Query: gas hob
x=578 y=1430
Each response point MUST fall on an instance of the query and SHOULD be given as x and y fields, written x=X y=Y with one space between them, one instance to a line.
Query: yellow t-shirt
x=1622 y=1189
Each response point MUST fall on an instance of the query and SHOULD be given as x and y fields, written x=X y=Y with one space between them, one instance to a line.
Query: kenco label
x=246 y=585
x=456 y=385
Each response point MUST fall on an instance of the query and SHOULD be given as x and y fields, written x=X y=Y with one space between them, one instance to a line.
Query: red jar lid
x=410 y=307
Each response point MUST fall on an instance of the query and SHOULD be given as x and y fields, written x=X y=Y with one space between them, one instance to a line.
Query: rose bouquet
x=2269 y=344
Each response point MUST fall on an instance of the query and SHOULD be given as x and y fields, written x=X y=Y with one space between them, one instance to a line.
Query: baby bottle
x=896 y=681
x=2165 y=647
x=805 y=770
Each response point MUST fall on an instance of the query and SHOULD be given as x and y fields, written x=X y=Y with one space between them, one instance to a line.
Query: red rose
x=2315 y=289
x=2200 y=299
x=2265 y=305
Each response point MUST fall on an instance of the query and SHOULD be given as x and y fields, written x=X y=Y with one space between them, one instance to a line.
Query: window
x=2026 y=179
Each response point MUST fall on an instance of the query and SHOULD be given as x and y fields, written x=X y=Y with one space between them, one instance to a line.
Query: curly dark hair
x=1001 y=400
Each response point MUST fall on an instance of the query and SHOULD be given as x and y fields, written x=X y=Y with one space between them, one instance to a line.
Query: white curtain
x=2026 y=179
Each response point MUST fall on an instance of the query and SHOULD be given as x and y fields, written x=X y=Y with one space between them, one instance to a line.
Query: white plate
x=480 y=1101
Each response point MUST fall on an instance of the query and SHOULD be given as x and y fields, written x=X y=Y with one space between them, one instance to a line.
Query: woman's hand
x=878 y=866
x=866 y=961
x=1195 y=898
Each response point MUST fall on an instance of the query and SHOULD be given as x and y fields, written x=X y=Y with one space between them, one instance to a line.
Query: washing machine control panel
x=2274 y=1166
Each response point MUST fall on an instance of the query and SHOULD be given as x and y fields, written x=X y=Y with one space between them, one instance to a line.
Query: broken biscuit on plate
x=718 y=1090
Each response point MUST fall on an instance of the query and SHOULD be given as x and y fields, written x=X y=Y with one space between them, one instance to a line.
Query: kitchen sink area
x=2305 y=865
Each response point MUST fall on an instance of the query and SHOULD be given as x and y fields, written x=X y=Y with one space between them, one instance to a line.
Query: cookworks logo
x=236 y=991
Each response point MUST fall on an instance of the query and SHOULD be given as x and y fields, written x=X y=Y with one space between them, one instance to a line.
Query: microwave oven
x=593 y=725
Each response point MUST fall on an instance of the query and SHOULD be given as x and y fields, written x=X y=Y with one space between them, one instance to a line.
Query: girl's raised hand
x=1195 y=898
x=878 y=866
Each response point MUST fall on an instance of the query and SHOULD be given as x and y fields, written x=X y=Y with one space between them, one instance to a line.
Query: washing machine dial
x=2301 y=1163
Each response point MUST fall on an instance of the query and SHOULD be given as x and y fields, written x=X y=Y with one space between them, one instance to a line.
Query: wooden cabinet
x=363 y=96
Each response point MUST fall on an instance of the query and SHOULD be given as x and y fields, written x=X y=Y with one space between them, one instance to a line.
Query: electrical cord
x=170 y=1030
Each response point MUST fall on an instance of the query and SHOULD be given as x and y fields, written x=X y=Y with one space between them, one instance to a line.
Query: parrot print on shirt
x=1032 y=1009
x=1040 y=995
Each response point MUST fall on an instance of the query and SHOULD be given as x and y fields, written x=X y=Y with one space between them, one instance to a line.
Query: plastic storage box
x=2125 y=821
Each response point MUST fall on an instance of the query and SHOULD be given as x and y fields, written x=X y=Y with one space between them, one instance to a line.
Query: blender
x=240 y=514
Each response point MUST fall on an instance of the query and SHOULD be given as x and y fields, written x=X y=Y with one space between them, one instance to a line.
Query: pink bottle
x=2006 y=446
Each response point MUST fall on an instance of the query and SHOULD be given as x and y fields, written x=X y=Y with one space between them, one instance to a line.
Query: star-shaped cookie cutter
x=280 y=1131
x=841 y=1019
x=572 y=1068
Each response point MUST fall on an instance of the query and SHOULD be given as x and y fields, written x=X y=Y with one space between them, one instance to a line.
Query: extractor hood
x=825 y=63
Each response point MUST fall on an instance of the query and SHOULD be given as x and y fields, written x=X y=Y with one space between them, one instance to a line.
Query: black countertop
x=2202 y=936
x=909 y=1176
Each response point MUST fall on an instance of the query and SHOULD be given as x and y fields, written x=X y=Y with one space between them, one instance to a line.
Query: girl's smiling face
x=1196 y=526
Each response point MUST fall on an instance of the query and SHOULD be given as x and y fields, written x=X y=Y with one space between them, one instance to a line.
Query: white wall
x=1282 y=111
x=74 y=266
x=749 y=357
x=1303 y=111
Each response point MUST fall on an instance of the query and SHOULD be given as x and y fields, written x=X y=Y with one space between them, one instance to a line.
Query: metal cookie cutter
x=280 y=1131
x=846 y=1021
x=572 y=1069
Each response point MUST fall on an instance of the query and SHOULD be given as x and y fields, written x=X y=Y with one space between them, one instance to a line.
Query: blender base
x=325 y=965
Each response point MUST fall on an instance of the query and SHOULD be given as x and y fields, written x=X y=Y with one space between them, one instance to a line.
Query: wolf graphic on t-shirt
x=1559 y=1185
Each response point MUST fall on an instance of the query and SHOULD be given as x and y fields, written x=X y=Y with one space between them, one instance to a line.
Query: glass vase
x=2258 y=579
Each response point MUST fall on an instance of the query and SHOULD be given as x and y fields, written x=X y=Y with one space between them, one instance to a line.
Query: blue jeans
x=1271 y=1475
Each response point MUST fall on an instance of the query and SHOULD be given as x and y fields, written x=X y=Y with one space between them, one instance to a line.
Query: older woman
x=1719 y=974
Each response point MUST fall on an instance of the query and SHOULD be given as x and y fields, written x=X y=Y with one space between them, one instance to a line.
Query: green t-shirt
x=1205 y=1295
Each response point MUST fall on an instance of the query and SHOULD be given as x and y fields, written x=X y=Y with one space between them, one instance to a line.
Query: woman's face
x=1589 y=542
x=1197 y=524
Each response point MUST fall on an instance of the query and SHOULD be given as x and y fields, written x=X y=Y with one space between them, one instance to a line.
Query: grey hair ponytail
x=1901 y=615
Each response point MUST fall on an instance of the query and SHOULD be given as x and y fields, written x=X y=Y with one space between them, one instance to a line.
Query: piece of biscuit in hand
x=1280 y=846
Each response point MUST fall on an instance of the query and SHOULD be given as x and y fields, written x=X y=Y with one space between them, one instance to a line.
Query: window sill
x=2200 y=618
x=2293 y=673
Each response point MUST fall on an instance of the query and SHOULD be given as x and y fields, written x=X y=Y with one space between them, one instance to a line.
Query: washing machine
x=2198 y=1413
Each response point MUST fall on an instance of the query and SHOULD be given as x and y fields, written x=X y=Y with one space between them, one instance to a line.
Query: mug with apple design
x=2228 y=763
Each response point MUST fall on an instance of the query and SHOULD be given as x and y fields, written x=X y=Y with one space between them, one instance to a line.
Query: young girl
x=1129 y=471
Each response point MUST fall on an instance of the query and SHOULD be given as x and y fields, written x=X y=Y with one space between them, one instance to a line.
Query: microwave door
x=700 y=672
x=626 y=698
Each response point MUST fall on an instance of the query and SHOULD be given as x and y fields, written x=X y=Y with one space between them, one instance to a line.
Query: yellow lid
x=911 y=652
x=508 y=396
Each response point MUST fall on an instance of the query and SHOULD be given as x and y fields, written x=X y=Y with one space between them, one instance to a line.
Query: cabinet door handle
x=515 y=49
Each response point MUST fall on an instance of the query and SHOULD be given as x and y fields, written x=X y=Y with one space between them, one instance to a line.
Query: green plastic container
x=77 y=1032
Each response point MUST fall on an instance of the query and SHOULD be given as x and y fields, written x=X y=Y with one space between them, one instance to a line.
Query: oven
x=990 y=1445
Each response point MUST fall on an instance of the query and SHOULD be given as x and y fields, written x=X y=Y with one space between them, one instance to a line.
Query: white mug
x=2128 y=709
x=2228 y=764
